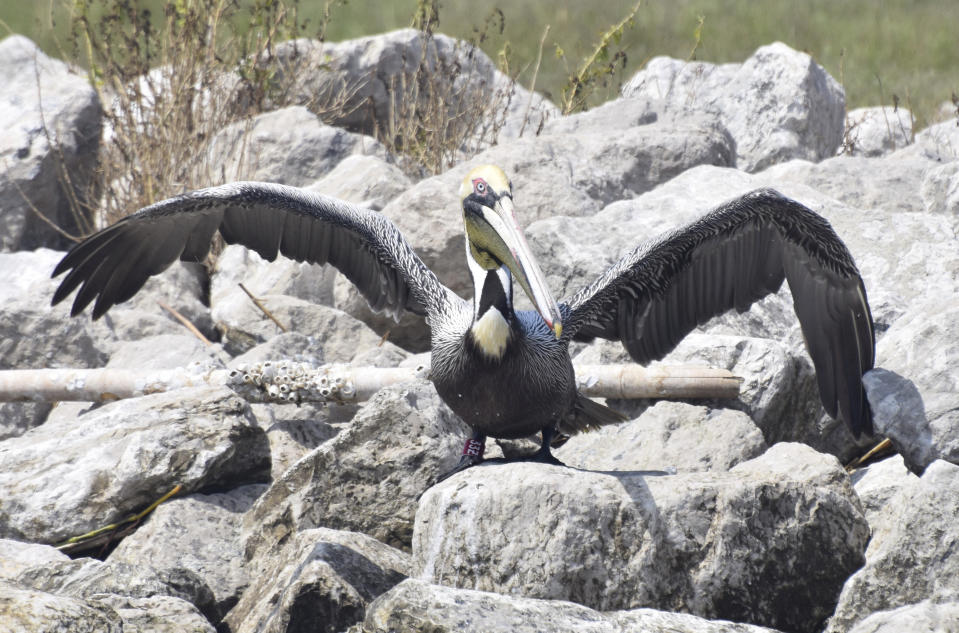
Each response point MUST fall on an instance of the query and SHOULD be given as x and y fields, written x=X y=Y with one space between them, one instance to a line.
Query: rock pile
x=714 y=517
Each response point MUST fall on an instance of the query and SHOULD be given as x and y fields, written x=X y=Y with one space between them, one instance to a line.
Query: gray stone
x=199 y=534
x=899 y=415
x=368 y=181
x=290 y=146
x=50 y=120
x=166 y=351
x=321 y=578
x=940 y=191
x=24 y=609
x=877 y=131
x=332 y=336
x=877 y=484
x=92 y=579
x=156 y=614
x=779 y=104
x=360 y=83
x=887 y=184
x=414 y=605
x=939 y=142
x=911 y=554
x=76 y=474
x=769 y=542
x=923 y=347
x=295 y=431
x=17 y=556
x=668 y=436
x=367 y=478
x=922 y=617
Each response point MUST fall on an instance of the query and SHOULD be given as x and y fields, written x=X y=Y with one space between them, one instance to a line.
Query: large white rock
x=911 y=556
x=877 y=131
x=923 y=347
x=79 y=473
x=322 y=577
x=50 y=120
x=366 y=479
x=668 y=436
x=371 y=76
x=769 y=542
x=414 y=605
x=779 y=104
x=290 y=146
x=200 y=534
x=923 y=617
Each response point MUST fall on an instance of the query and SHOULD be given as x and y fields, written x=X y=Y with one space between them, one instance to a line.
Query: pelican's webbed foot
x=544 y=455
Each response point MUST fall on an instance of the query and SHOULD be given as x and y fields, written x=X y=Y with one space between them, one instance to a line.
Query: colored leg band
x=474 y=448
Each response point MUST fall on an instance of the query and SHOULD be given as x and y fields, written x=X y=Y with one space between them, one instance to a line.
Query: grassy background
x=880 y=50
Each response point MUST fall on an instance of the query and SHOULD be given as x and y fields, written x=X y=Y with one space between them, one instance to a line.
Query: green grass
x=880 y=50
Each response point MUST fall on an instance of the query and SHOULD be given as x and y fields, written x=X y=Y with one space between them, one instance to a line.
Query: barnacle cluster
x=288 y=382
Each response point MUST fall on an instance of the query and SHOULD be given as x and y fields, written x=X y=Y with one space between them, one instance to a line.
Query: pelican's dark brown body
x=531 y=387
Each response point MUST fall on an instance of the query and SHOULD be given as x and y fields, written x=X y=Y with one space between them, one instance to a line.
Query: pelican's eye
x=480 y=187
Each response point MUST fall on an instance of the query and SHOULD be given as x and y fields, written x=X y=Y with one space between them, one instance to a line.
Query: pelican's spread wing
x=111 y=266
x=740 y=252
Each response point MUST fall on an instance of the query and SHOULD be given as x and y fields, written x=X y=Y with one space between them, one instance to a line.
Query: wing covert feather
x=740 y=252
x=112 y=265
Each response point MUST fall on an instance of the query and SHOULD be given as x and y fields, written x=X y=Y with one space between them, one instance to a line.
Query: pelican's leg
x=472 y=455
x=544 y=455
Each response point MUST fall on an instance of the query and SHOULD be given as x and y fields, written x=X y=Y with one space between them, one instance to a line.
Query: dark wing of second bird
x=111 y=266
x=733 y=256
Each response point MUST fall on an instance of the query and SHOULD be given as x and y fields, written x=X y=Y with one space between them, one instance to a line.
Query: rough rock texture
x=923 y=617
x=92 y=579
x=669 y=436
x=779 y=104
x=366 y=479
x=24 y=609
x=622 y=540
x=938 y=142
x=900 y=416
x=372 y=72
x=320 y=581
x=68 y=477
x=198 y=534
x=414 y=605
x=289 y=146
x=877 y=131
x=923 y=347
x=877 y=484
x=911 y=556
x=365 y=180
x=50 y=119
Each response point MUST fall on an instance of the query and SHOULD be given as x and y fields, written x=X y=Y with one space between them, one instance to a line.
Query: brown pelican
x=508 y=373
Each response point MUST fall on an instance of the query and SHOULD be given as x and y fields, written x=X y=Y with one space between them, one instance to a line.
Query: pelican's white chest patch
x=491 y=333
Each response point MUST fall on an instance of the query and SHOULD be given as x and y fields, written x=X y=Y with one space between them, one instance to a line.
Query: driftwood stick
x=284 y=381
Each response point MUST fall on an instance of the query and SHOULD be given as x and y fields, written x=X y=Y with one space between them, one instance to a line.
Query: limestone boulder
x=769 y=542
x=668 y=436
x=50 y=123
x=290 y=146
x=368 y=477
x=877 y=131
x=358 y=84
x=414 y=605
x=81 y=472
x=321 y=578
x=778 y=105
x=199 y=534
x=910 y=558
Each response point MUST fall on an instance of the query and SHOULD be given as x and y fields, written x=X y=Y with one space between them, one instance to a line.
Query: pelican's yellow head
x=495 y=239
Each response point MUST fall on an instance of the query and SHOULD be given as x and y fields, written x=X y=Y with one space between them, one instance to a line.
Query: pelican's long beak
x=496 y=233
